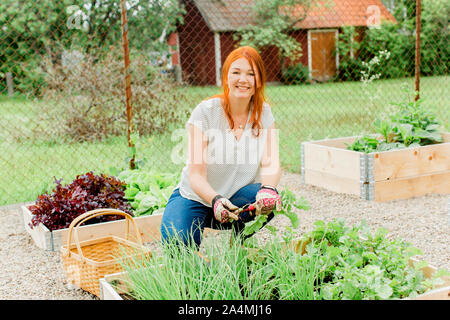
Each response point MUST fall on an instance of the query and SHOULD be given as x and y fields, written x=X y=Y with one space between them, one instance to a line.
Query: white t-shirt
x=231 y=164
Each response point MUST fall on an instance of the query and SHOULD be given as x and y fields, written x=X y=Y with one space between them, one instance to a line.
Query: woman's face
x=241 y=79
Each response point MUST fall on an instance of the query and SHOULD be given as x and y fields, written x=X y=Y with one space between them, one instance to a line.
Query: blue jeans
x=187 y=218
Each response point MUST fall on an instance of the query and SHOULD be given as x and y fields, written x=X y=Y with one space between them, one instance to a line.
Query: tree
x=273 y=23
x=31 y=29
x=153 y=21
x=402 y=10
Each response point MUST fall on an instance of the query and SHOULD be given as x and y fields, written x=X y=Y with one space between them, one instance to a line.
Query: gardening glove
x=223 y=209
x=267 y=199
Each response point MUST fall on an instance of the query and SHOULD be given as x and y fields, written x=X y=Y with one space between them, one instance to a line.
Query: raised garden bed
x=114 y=286
x=379 y=176
x=333 y=261
x=149 y=228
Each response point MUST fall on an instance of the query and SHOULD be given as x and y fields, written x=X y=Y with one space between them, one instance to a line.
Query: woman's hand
x=223 y=209
x=267 y=199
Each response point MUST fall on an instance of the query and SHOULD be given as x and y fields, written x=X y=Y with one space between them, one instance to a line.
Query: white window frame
x=218 y=59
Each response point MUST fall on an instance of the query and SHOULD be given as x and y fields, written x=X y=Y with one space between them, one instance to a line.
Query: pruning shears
x=248 y=207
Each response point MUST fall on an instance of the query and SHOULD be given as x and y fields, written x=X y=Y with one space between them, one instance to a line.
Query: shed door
x=322 y=53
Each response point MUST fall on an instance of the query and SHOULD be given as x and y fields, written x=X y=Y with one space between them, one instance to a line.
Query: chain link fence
x=333 y=66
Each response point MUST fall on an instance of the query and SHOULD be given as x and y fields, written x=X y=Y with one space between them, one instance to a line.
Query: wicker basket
x=87 y=261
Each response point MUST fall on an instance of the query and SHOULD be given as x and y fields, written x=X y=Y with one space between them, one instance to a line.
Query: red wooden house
x=205 y=38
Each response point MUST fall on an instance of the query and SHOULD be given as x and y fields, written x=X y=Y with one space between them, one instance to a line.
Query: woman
x=232 y=156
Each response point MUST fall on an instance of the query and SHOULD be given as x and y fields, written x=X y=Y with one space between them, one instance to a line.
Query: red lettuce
x=87 y=192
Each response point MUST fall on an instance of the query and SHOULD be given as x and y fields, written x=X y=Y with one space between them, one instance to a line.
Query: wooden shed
x=205 y=38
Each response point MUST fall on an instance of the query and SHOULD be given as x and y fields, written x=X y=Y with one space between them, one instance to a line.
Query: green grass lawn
x=306 y=112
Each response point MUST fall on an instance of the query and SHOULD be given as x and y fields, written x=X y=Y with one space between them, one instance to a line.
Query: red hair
x=258 y=98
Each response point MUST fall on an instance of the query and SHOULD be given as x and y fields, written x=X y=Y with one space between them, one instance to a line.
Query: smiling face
x=241 y=79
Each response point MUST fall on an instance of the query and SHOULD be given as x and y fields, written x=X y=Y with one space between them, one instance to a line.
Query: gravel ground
x=31 y=273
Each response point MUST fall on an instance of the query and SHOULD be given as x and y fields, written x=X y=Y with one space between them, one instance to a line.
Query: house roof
x=229 y=15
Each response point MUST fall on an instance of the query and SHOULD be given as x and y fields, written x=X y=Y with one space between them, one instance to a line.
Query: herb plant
x=331 y=262
x=86 y=192
x=340 y=262
x=358 y=264
x=219 y=273
x=288 y=202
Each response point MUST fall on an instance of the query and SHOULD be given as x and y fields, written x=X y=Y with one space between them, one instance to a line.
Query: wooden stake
x=126 y=53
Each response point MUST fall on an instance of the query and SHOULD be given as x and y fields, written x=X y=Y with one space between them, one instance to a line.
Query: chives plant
x=222 y=272
x=338 y=263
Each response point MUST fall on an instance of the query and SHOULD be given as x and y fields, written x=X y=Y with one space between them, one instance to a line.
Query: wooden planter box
x=379 y=176
x=149 y=228
x=108 y=292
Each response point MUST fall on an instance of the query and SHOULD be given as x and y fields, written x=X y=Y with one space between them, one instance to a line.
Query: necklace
x=241 y=126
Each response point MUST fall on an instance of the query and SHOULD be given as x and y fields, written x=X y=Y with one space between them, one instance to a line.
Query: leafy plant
x=411 y=125
x=288 y=201
x=367 y=144
x=295 y=74
x=359 y=264
x=148 y=192
x=340 y=262
x=87 y=192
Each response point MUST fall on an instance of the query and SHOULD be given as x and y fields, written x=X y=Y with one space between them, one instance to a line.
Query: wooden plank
x=40 y=234
x=52 y=240
x=437 y=294
x=411 y=162
x=149 y=227
x=332 y=182
x=107 y=292
x=412 y=187
x=446 y=136
x=441 y=292
x=428 y=270
x=334 y=161
x=335 y=143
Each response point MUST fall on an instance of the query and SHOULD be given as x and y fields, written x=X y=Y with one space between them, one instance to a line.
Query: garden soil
x=30 y=273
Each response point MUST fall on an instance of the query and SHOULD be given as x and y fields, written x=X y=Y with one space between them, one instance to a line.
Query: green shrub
x=350 y=65
x=349 y=70
x=400 y=45
x=400 y=41
x=295 y=74
x=86 y=100
x=435 y=48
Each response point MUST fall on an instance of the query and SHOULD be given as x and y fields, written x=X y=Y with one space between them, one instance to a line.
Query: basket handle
x=95 y=213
